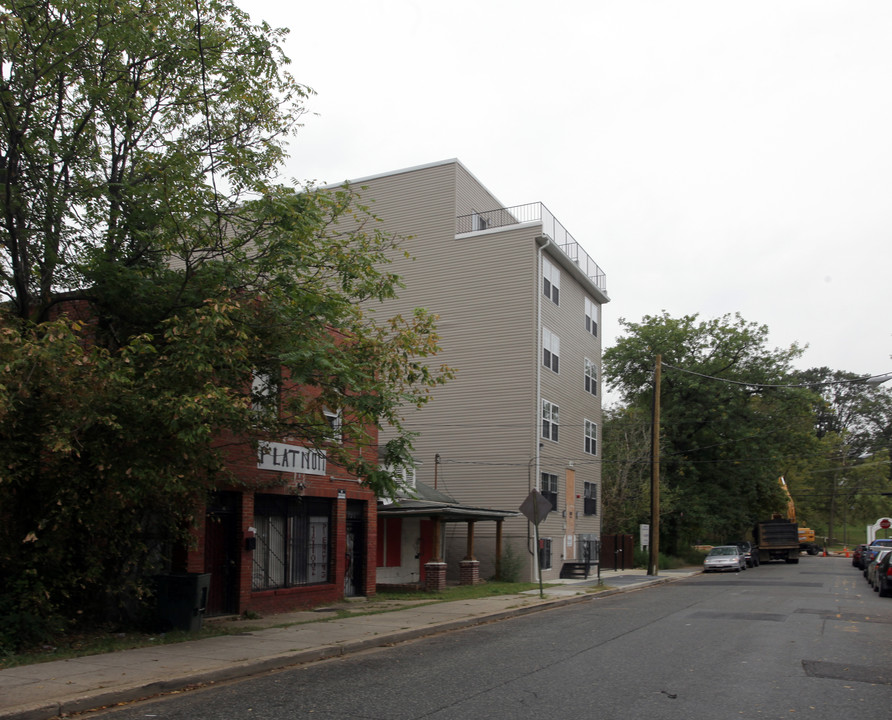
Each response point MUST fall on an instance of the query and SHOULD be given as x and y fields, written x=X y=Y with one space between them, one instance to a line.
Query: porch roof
x=432 y=503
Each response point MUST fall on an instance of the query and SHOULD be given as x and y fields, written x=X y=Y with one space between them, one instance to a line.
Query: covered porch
x=410 y=539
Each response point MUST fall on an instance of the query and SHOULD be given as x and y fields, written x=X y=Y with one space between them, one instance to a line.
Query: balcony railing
x=535 y=212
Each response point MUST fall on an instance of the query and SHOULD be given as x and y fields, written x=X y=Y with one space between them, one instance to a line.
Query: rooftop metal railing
x=535 y=212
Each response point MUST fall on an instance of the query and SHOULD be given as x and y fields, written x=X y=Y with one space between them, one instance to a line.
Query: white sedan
x=725 y=557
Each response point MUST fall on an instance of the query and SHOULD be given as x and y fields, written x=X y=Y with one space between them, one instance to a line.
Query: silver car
x=872 y=568
x=725 y=557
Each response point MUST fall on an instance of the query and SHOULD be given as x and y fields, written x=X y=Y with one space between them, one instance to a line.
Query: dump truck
x=777 y=539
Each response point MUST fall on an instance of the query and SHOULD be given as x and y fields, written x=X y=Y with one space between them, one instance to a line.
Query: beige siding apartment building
x=519 y=305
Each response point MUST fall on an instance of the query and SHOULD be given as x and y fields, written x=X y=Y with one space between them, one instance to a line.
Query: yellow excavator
x=806 y=535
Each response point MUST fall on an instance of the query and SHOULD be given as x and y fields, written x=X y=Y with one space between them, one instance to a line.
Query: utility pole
x=653 y=565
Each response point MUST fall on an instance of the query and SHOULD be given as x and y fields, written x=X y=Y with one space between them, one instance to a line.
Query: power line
x=868 y=379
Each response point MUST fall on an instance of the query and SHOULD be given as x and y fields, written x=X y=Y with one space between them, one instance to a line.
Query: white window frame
x=335 y=420
x=551 y=350
x=551 y=281
x=478 y=222
x=264 y=391
x=550 y=421
x=591 y=438
x=403 y=474
x=591 y=377
x=592 y=316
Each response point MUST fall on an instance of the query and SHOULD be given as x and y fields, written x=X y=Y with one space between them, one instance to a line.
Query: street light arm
x=877 y=379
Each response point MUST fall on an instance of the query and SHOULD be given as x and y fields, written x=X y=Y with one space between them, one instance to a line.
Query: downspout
x=542 y=242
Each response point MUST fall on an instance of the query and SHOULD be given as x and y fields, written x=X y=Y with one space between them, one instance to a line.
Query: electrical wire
x=865 y=379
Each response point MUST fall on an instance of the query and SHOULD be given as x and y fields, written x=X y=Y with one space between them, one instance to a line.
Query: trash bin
x=182 y=599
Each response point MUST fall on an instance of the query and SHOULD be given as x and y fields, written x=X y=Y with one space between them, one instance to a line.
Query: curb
x=252 y=668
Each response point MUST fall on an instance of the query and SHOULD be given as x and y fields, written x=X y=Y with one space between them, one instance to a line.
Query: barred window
x=545 y=553
x=293 y=542
x=590 y=499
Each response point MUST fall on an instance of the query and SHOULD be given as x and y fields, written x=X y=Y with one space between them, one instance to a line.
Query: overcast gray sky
x=711 y=156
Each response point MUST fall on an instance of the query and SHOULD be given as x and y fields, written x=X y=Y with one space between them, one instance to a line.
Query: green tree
x=153 y=266
x=626 y=471
x=726 y=434
x=852 y=420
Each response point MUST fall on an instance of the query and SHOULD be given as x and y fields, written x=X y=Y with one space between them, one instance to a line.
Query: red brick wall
x=285 y=599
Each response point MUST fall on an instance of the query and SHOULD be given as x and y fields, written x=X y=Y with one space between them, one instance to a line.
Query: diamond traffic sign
x=535 y=507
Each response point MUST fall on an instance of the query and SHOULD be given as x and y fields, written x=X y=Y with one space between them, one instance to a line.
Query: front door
x=354 y=570
x=222 y=552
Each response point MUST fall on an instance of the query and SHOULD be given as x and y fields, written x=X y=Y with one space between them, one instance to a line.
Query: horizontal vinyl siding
x=567 y=389
x=489 y=336
x=470 y=195
x=485 y=287
x=481 y=423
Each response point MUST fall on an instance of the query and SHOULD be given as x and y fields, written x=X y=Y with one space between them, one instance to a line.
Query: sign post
x=644 y=531
x=535 y=507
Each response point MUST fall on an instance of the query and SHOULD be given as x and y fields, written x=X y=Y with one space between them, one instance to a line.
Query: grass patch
x=462 y=592
x=105 y=640
x=82 y=644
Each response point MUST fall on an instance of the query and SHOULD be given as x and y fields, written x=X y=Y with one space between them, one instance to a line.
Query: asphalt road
x=778 y=641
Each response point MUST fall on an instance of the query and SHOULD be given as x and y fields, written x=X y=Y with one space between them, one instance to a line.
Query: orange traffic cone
x=847 y=551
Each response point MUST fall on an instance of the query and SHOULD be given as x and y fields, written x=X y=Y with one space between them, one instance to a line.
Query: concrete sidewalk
x=46 y=690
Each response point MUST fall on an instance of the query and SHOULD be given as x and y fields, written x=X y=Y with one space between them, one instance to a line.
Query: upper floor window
x=550 y=420
x=592 y=316
x=590 y=499
x=264 y=391
x=551 y=281
x=591 y=438
x=335 y=421
x=550 y=488
x=478 y=222
x=591 y=377
x=551 y=349
x=404 y=476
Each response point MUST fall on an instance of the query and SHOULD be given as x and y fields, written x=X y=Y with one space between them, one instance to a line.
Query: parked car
x=858 y=555
x=870 y=553
x=872 y=567
x=752 y=558
x=725 y=557
x=884 y=576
